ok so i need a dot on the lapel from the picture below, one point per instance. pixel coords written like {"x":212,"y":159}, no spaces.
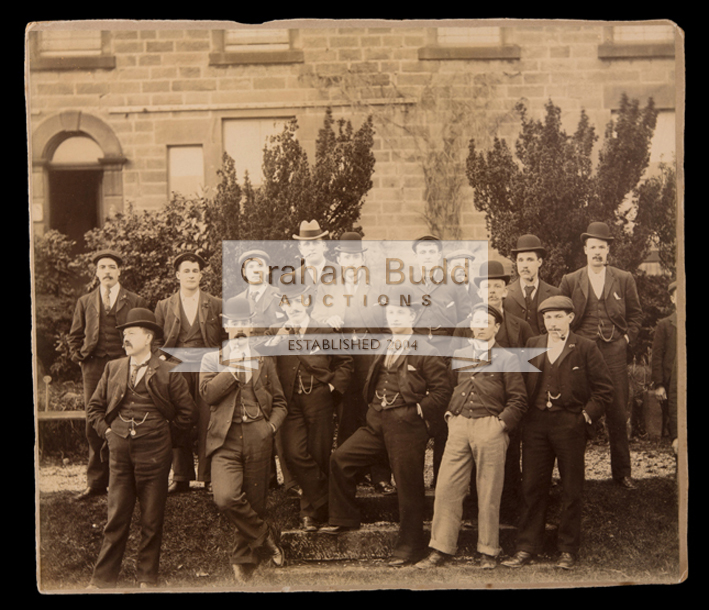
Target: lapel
{"x":515,"y":291}
{"x":570,"y":345}
{"x":121,"y":299}
{"x":610,"y":283}
{"x":174,"y":304}
{"x":95,"y":299}
{"x":202,"y":311}
{"x":673,"y":319}
{"x":153,"y":365}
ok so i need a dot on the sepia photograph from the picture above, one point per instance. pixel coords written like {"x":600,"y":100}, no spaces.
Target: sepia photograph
{"x":357,"y":305}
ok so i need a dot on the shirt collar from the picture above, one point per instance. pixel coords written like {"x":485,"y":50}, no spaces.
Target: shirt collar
{"x":190,"y":299}
{"x":145,"y":360}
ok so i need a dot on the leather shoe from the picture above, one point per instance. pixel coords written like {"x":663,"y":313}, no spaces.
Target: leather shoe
{"x":519,"y":559}
{"x":274,"y":550}
{"x":90,"y":492}
{"x":336,"y":529}
{"x":626,"y":482}
{"x":178,"y":487}
{"x":398,"y":562}
{"x":488,"y":562}
{"x":566,"y":561}
{"x":433,"y":560}
{"x":241,"y":573}
{"x":309,"y":524}
{"x":384,"y":488}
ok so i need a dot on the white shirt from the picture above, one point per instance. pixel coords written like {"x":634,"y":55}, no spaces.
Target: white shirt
{"x":238,"y":353}
{"x":190,"y":305}
{"x":141,"y":370}
{"x":396,"y":347}
{"x":257,"y":292}
{"x":535,"y":286}
{"x":597,"y":281}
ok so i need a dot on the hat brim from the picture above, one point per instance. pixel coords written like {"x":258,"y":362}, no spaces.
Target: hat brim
{"x":585,"y":236}
{"x":477,"y":280}
{"x":311,"y":238}
{"x":542,"y":251}
{"x":151,"y":326}
{"x":101,"y":255}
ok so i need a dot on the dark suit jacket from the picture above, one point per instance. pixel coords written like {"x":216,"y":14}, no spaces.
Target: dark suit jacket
{"x":169,"y":392}
{"x":584,"y":379}
{"x":448,"y":305}
{"x":619,"y":292}
{"x":664,"y":352}
{"x":218,"y":388}
{"x":501,"y":392}
{"x":325,"y":368}
{"x":167,"y":315}
{"x":267,"y":310}
{"x":423,"y":380}
{"x":514,"y":332}
{"x":515,"y":304}
{"x":83,"y":335}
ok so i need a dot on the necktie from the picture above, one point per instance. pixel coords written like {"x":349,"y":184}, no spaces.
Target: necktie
{"x":134,"y":368}
{"x":253,"y":296}
{"x":106,"y":300}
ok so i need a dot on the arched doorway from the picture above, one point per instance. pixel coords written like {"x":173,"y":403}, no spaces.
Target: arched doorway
{"x":77,"y":167}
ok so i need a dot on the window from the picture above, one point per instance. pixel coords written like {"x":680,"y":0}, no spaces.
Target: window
{"x":185,"y":170}
{"x":487,"y":42}
{"x":637,"y":41}
{"x":244,"y":140}
{"x":70,"y":50}
{"x":255,"y":46}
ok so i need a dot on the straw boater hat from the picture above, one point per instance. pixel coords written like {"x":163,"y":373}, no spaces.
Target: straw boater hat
{"x":350,"y":242}
{"x":491,"y":270}
{"x":599,"y":230}
{"x":190,"y":256}
{"x":107,"y":254}
{"x":249,"y":254}
{"x":460,"y":254}
{"x":529,"y":243}
{"x":556,"y":303}
{"x":238,"y":308}
{"x":310,"y":230}
{"x":427,"y":238}
{"x":143,"y":318}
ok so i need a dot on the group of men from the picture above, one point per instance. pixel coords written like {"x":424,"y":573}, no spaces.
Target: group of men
{"x":495,"y":429}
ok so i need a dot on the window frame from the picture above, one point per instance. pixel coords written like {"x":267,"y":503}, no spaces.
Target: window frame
{"x":221,"y":57}
{"x":610,"y":49}
{"x":105,"y":60}
{"x":504,"y":50}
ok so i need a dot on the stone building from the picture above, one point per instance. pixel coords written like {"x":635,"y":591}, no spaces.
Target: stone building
{"x":129,"y":113}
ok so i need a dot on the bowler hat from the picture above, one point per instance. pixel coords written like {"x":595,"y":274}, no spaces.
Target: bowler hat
{"x":192,"y":257}
{"x":433,"y":238}
{"x":249,"y":254}
{"x":107,"y":254}
{"x":529,"y":243}
{"x":491,"y":270}
{"x":460,"y":254}
{"x":350,"y":242}
{"x":144,"y":318}
{"x":310,"y":230}
{"x":490,"y":309}
{"x":556,"y":303}
{"x":598,"y":230}
{"x":238,"y":308}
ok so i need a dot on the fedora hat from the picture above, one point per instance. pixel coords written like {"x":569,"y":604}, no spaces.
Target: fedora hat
{"x":309,"y":230}
{"x":598,"y":230}
{"x":350,"y":242}
{"x":249,"y":254}
{"x":192,"y":257}
{"x":238,"y":308}
{"x":492,"y":270}
{"x":427,"y":238}
{"x":529,"y":243}
{"x":556,"y":303}
{"x":144,"y":318}
{"x":107,"y":254}
{"x":460,"y":254}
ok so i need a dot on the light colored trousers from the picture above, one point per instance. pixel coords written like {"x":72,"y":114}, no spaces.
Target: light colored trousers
{"x":484,"y":442}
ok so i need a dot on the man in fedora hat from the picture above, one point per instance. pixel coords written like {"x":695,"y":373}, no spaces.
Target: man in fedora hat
{"x":313,"y":249}
{"x":191,"y":318}
{"x":571,"y":390}
{"x":136,"y":405}
{"x":93,"y":341}
{"x":608,"y":312}
{"x":248,"y":407}
{"x":664,"y":365}
{"x":313,"y":381}
{"x":528,"y":290}
{"x":406,"y":394}
{"x":484,"y":408}
{"x":352,"y":310}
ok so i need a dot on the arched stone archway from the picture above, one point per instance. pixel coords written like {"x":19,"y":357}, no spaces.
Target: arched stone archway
{"x":108,"y":169}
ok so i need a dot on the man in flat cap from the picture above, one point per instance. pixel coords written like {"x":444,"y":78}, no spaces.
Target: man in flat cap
{"x":460,"y":264}
{"x":571,"y":390}
{"x":248,"y":407}
{"x":137,"y":405}
{"x":93,"y":341}
{"x":526,"y":293}
{"x":664,"y":365}
{"x":608,"y":312}
{"x":191,"y":318}
{"x":407,"y":394}
{"x":488,"y":402}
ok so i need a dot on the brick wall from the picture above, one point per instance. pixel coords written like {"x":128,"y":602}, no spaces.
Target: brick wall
{"x":168,"y":88}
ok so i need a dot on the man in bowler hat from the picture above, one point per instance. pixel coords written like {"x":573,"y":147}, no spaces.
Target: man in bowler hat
{"x":136,"y":404}
{"x":191,"y":318}
{"x":248,"y":407}
{"x":608,"y":311}
{"x":94,"y":340}
{"x":571,"y":390}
